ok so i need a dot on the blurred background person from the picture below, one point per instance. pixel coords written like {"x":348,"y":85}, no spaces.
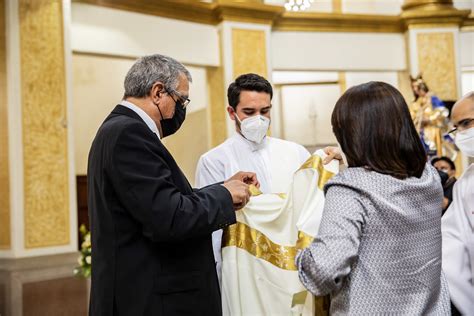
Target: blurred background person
{"x":448,"y":168}
{"x":378,"y":249}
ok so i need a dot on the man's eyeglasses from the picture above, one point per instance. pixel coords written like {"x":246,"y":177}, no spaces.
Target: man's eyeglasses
{"x":184,"y":101}
{"x":462,"y":126}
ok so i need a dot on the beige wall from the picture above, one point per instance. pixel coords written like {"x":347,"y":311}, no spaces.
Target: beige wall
{"x":98,"y":87}
{"x":189,"y":143}
{"x":306,"y":113}
{"x":107,"y":31}
{"x":304,"y":101}
{"x":337,"y":51}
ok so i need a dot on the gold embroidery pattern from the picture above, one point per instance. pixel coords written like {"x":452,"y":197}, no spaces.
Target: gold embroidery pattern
{"x":254,"y":191}
{"x":304,"y":240}
{"x":257,"y":244}
{"x":316,"y":162}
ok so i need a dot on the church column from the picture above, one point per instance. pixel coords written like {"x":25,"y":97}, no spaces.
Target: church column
{"x":433,"y":45}
{"x":38,"y":248}
{"x":244,"y":34}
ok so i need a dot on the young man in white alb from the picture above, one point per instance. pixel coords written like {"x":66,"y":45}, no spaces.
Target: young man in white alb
{"x":273,"y":160}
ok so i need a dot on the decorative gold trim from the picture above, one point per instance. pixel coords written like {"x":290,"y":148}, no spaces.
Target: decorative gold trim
{"x":321,"y":303}
{"x":260,"y":246}
{"x":315,"y":162}
{"x":44,"y":114}
{"x":257,"y":12}
{"x":468,"y":24}
{"x":254,"y":191}
{"x":426,"y":4}
{"x":249,"y":52}
{"x":299,"y":298}
{"x":438,"y":12}
{"x":336,"y":22}
{"x":251,"y":12}
{"x":467,"y":28}
{"x":5,"y":238}
{"x":431,"y":25}
{"x":304,"y":240}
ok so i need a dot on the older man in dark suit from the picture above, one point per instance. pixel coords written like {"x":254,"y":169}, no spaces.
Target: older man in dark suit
{"x":151,"y":232}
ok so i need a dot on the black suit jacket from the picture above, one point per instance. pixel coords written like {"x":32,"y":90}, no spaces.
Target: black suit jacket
{"x":151,"y":232}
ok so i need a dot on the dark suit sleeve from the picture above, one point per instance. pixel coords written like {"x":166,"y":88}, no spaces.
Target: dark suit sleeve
{"x":143,"y":182}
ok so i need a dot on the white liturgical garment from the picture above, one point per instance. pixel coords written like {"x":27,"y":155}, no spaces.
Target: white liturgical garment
{"x":273,"y":161}
{"x":259,"y":274}
{"x":457,"y":227}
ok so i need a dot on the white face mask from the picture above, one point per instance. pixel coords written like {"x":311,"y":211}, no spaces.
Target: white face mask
{"x":465,"y":141}
{"x":254,"y":128}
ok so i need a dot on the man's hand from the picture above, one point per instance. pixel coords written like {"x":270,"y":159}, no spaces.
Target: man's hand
{"x":332,"y":153}
{"x":246,"y":177}
{"x":239,"y":191}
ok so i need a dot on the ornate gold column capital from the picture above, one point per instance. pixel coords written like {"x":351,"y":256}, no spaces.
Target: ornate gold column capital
{"x":432,"y":12}
{"x":252,"y":11}
{"x":426,"y":4}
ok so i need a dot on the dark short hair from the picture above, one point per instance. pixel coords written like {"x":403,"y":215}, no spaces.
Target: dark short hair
{"x":445,"y":159}
{"x":373,"y":125}
{"x":247,"y":82}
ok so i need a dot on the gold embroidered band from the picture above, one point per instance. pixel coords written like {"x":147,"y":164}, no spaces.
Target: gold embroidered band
{"x":257,"y":244}
{"x":315,"y":162}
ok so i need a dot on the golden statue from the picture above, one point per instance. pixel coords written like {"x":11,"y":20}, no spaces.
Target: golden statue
{"x":431,"y":119}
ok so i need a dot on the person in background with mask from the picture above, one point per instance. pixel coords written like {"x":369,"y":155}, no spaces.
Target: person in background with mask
{"x":151,"y":232}
{"x":273,"y":160}
{"x":447,"y":170}
{"x":457,"y":224}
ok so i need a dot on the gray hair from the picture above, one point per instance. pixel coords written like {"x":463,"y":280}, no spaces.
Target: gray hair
{"x":148,"y":70}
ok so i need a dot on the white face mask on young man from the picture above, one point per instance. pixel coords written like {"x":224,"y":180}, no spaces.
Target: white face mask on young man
{"x":465,"y":141}
{"x":254,"y":128}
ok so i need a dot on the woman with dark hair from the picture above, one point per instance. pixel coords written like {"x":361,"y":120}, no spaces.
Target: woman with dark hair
{"x":378,"y":249}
